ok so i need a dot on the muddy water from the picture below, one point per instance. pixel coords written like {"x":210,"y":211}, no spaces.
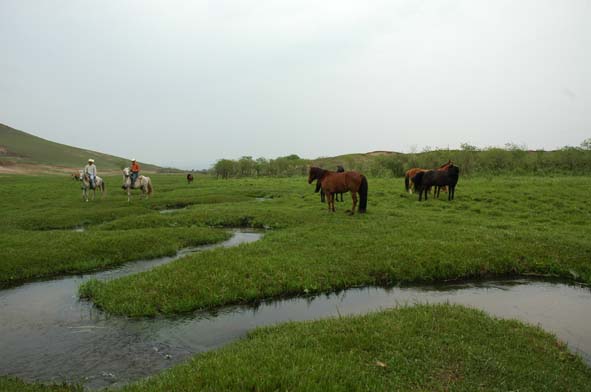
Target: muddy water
{"x":47,"y":334}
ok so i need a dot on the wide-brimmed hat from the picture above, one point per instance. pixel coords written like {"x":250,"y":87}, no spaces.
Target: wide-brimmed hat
{"x":90,"y":160}
{"x":133,"y":160}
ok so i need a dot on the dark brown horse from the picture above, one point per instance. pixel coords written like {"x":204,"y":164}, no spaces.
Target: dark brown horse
{"x":332,"y":182}
{"x":340,"y":169}
{"x":411,"y":173}
{"x":437,"y":178}
{"x":189,"y":178}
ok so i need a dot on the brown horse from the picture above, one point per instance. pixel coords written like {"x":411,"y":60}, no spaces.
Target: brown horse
{"x":411,"y":173}
{"x":340,"y":169}
{"x":189,"y":178}
{"x":438,"y":178}
{"x":332,"y":182}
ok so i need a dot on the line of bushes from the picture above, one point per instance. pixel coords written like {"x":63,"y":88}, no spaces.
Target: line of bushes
{"x":511,"y":159}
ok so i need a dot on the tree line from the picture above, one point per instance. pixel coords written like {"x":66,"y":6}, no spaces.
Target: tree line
{"x":510,"y":159}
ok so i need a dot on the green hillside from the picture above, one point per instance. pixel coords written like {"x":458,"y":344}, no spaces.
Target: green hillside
{"x":19,"y":149}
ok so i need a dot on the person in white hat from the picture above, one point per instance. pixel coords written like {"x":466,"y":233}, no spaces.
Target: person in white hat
{"x":135,"y":171}
{"x":90,"y":171}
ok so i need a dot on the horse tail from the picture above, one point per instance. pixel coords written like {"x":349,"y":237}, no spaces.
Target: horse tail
{"x":150,"y":189}
{"x":103,"y":186}
{"x":363,"y":195}
{"x":407,"y":182}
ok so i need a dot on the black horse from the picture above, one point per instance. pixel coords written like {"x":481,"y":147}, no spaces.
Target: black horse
{"x":340,"y":169}
{"x":425,"y":180}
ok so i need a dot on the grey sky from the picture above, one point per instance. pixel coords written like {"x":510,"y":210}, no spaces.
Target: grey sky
{"x":184,"y":83}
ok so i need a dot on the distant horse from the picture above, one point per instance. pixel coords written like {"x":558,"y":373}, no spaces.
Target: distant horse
{"x":340,"y":169}
{"x":85,"y":185}
{"x":411,"y":173}
{"x":142,"y":182}
{"x":438,"y":178}
{"x":332,"y":182}
{"x":189,"y":178}
{"x":75,"y":176}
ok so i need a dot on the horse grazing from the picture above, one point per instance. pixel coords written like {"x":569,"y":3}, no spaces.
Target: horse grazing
{"x":411,"y":173}
{"x":142,"y":182}
{"x":332,"y":182}
{"x":86,"y":188}
{"x":438,"y":178}
{"x":340,"y":169}
{"x":189,"y":178}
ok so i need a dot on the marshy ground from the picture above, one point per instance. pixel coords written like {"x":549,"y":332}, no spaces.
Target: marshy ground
{"x":497,"y":226}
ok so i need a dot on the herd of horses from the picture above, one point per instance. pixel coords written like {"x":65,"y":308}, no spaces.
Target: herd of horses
{"x":330,"y":184}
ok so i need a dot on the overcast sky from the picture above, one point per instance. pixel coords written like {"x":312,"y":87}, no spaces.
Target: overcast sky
{"x":184,"y":83}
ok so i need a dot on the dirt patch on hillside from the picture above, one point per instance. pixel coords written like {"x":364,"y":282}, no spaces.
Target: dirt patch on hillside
{"x":377,"y":153}
{"x":27,"y":168}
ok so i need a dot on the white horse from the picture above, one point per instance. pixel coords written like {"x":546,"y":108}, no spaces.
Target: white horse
{"x":85,"y":185}
{"x":142,"y":182}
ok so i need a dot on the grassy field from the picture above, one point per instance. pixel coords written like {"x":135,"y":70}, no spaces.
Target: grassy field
{"x":496,"y":226}
{"x":421,"y":348}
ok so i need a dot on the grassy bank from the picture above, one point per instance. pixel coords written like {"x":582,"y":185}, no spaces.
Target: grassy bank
{"x":39,"y":215}
{"x":423,"y":348}
{"x":10,"y":384}
{"x":420,"y":348}
{"x":496,"y":226}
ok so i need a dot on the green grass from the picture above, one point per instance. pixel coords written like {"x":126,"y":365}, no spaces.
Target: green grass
{"x":10,"y":384}
{"x":40,"y":213}
{"x":422,"y":348}
{"x":419,"y":348}
{"x":498,"y":226}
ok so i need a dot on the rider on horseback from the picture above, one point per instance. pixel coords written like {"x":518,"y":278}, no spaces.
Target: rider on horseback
{"x":135,"y":172}
{"x":90,"y":171}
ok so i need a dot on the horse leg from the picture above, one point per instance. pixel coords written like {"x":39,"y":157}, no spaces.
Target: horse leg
{"x":354,"y":197}
{"x":330,"y":199}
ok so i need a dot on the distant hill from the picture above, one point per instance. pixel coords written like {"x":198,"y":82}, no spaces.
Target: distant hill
{"x":21,"y":152}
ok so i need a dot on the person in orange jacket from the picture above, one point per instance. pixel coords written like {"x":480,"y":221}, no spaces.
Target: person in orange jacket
{"x":135,"y":172}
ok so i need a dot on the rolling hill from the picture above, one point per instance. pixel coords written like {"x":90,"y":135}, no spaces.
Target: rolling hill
{"x":21,"y":152}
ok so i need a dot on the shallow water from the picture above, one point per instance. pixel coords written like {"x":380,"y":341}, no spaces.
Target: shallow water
{"x":172,"y":210}
{"x":47,"y":334}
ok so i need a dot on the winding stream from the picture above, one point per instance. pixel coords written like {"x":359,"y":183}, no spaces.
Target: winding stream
{"x":47,"y":334}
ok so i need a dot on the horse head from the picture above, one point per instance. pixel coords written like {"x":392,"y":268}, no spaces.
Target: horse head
{"x":315,"y":173}
{"x":126,"y":177}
